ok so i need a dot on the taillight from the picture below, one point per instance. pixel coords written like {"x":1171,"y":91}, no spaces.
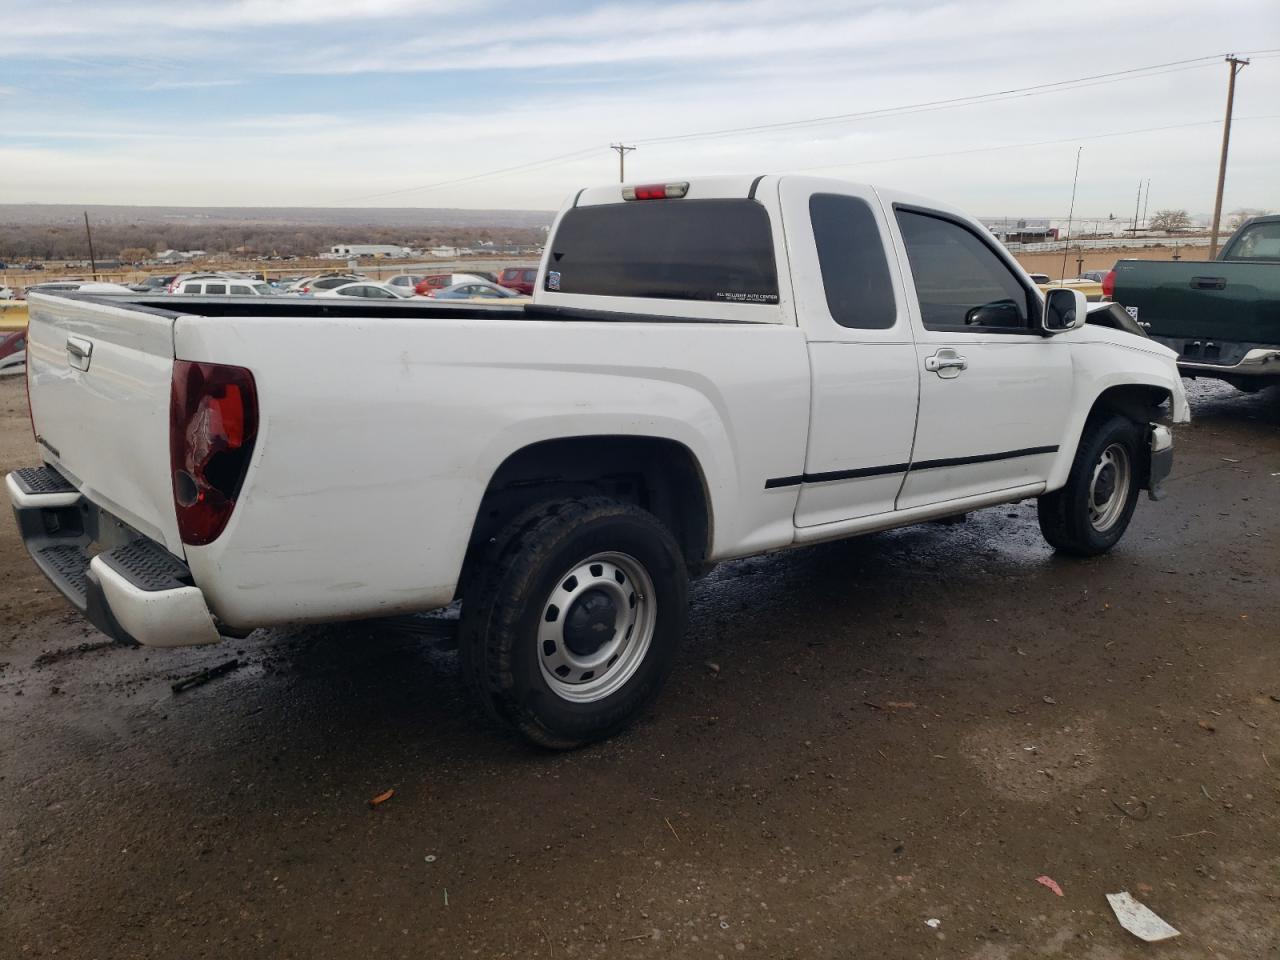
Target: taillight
{"x":655,"y":191}
{"x":213,"y":422}
{"x":1109,"y":284}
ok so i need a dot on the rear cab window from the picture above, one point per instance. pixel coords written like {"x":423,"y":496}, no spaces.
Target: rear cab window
{"x":1261,"y":241}
{"x":710,"y":250}
{"x":851,"y":257}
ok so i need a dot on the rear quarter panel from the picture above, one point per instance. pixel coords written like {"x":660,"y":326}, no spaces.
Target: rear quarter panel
{"x":377,"y":440}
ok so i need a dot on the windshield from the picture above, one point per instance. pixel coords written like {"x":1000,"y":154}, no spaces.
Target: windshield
{"x":1258,"y":242}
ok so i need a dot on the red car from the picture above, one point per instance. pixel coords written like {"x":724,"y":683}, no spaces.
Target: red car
{"x":436,"y":281}
{"x":13,"y":351}
{"x":519,"y":279}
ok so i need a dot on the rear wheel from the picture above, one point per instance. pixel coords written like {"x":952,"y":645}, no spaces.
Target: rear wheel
{"x":1090,"y":514}
{"x":574,"y":624}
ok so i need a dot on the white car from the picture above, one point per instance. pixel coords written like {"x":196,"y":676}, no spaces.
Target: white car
{"x":709,"y":369}
{"x":473,"y":290}
{"x":368,"y":290}
{"x":222,"y":286}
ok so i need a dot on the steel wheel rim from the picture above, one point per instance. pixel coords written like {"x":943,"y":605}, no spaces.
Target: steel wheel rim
{"x":1109,"y":487}
{"x":607,"y":598}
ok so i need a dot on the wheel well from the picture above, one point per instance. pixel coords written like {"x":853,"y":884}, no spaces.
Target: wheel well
{"x":660,"y":475}
{"x":1139,"y":402}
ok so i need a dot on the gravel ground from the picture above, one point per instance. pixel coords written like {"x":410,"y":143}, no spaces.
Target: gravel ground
{"x":859,"y":738}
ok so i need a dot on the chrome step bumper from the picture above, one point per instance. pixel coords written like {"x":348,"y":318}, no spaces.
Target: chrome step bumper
{"x":133,"y":590}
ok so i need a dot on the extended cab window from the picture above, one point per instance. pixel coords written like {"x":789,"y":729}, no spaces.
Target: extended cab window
{"x":962,"y":285}
{"x":719,"y":250}
{"x":855,"y":273}
{"x":215,"y":288}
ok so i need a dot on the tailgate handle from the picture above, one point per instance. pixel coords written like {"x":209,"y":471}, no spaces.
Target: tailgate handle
{"x":1208,"y":283}
{"x":79,"y":352}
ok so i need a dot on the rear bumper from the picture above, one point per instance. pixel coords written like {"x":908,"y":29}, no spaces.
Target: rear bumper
{"x":1210,"y":358}
{"x":133,"y":589}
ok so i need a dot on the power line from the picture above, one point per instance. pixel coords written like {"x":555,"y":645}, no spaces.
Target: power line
{"x":562,"y":158}
{"x":1029,"y":143}
{"x":1039,"y":89}
{"x":1132,"y":73}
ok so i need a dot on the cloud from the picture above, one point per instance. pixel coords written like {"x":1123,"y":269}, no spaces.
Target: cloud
{"x":190,"y":84}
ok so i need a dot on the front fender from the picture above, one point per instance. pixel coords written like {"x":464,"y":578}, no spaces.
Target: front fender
{"x":1107,"y":362}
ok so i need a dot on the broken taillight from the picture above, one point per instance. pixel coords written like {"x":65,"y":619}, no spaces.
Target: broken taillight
{"x":213,"y":422}
{"x":1109,"y":284}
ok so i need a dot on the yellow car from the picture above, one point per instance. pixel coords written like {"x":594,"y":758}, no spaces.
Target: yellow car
{"x":1091,"y":289}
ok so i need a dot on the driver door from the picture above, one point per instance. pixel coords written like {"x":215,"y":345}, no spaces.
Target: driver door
{"x":994,"y":393}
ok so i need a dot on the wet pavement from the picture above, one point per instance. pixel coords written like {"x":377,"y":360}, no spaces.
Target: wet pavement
{"x":859,"y":738}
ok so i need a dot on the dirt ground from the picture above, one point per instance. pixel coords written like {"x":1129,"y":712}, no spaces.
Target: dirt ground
{"x":909,"y":727}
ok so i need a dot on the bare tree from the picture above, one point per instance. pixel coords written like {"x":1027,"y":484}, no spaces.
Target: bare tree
{"x":134,"y":255}
{"x":1170,"y":220}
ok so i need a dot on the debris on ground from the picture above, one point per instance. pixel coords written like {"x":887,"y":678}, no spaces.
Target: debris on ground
{"x":204,"y":676}
{"x":382,"y":798}
{"x":1139,"y":919}
{"x":1051,"y":883}
{"x":933,"y":922}
{"x":713,"y":667}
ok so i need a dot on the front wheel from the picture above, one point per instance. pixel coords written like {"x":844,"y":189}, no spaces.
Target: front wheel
{"x":1090,"y":514}
{"x":574,"y":625}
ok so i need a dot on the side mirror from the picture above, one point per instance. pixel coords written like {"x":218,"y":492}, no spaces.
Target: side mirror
{"x":1063,"y":310}
{"x":998,"y":313}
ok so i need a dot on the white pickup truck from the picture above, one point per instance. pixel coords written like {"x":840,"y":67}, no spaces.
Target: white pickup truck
{"x":708,"y":370}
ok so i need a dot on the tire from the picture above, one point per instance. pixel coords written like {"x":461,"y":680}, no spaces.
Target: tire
{"x":573,"y":625}
{"x":1089,"y":515}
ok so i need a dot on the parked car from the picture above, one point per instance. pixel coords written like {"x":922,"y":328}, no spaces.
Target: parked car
{"x":368,"y":290}
{"x":75,"y":286}
{"x":691,"y":383}
{"x":1221,"y":316}
{"x":223,"y":286}
{"x":407,"y":281}
{"x":6,"y":292}
{"x":438,"y":281}
{"x":324,"y":281}
{"x":519,"y":279}
{"x":154,"y":284}
{"x":1097,"y":276}
{"x":13,"y":351}
{"x":473,"y":290}
{"x":1039,"y":278}
{"x":1091,"y":289}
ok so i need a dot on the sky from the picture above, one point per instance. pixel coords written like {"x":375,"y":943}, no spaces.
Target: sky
{"x":502,"y":104}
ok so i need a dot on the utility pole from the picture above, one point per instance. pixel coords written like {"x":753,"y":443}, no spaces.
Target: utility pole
{"x":622,"y":162}
{"x":93,"y":262}
{"x":1146,"y":203}
{"x":1235,"y":64}
{"x":1136,"y":204}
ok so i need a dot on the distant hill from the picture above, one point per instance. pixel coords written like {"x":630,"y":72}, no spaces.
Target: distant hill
{"x":61,"y":214}
{"x":32,"y":231}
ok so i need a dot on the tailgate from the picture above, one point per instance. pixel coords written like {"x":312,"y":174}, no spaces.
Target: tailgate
{"x":1234,"y":302}
{"x":100,"y":377}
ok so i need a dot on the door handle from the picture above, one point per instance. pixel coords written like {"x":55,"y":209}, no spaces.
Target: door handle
{"x":79,"y":352}
{"x":946,"y":363}
{"x":1208,"y":283}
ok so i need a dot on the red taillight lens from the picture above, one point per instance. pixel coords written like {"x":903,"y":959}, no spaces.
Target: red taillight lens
{"x":655,"y":191}
{"x":1109,"y":284}
{"x":213,"y":423}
